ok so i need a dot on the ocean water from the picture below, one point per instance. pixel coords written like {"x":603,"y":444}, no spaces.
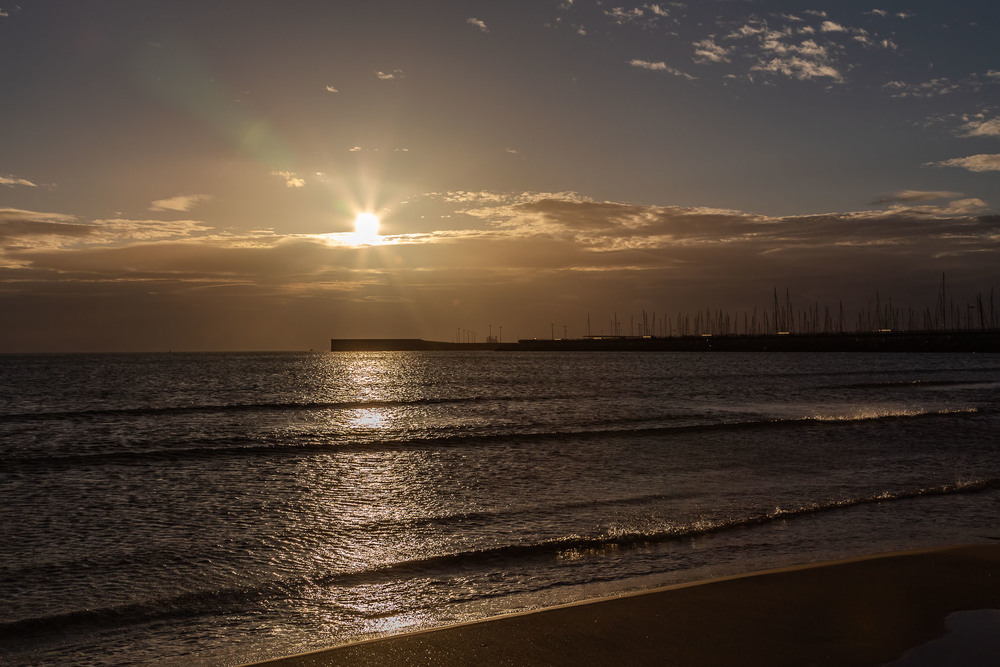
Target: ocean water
{"x":222,"y":508}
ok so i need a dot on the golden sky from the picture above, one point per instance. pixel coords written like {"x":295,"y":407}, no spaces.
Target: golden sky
{"x":187,"y":175}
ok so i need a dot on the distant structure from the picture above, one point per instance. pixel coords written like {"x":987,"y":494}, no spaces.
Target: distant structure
{"x":972,"y":326}
{"x":875,"y":341}
{"x":401,"y":344}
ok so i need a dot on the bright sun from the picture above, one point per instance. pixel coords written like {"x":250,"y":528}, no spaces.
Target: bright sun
{"x":366,"y":227}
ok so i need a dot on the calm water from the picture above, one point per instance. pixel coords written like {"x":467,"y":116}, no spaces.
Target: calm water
{"x":222,"y":508}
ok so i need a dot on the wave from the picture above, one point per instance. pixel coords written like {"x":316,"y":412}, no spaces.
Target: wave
{"x":922,"y":383}
{"x":572,"y":546}
{"x":291,"y":445}
{"x":231,"y":407}
{"x":866,"y":414}
{"x":237,"y":599}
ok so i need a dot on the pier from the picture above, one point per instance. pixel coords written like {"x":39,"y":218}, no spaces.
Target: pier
{"x":877,"y":341}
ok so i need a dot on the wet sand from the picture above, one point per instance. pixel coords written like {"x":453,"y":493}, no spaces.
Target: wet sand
{"x":866,"y":611}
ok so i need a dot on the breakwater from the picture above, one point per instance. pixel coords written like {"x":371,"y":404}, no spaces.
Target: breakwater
{"x":878,"y":341}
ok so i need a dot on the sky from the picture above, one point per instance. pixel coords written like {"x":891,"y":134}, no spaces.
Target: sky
{"x":186,"y":176}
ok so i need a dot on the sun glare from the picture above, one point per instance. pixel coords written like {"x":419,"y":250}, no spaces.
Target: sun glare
{"x":366,"y":227}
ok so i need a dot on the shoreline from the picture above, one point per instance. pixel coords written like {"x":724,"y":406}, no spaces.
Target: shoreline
{"x":866,"y":610}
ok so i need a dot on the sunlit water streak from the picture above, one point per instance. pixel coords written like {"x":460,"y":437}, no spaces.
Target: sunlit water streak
{"x":220,"y":508}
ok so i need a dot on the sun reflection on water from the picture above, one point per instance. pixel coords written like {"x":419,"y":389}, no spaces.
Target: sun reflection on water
{"x":345,"y":522}
{"x":369,"y":418}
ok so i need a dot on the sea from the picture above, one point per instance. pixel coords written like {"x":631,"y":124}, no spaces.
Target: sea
{"x":218,"y":509}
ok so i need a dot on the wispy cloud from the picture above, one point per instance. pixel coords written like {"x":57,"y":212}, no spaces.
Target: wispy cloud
{"x":707,"y":51}
{"x":621,"y":15}
{"x":660,"y":66}
{"x":799,"y":67}
{"x":291,"y":180}
{"x":981,"y":162}
{"x":930,"y":88}
{"x":11,"y":181}
{"x":118,"y":230}
{"x":909,"y":196}
{"x":178,"y":203}
{"x":938,"y":86}
{"x":478,"y":23}
{"x":389,"y":76}
{"x":331,"y":89}
{"x":646,"y":16}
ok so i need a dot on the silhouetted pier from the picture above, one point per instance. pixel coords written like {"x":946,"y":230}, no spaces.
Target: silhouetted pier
{"x":876,"y":341}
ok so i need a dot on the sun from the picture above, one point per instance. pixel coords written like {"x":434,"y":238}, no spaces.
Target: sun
{"x":366,"y":227}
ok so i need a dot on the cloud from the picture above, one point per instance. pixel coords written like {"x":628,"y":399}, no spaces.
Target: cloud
{"x":178,"y":203}
{"x":907,"y":196}
{"x":389,"y":76}
{"x":524,"y":257}
{"x":931,"y":88}
{"x":620,"y":15}
{"x":119,"y":230}
{"x":331,"y":89}
{"x":11,"y":181}
{"x":646,"y":16}
{"x":797,"y":67}
{"x":23,"y":233}
{"x":973,"y":83}
{"x":878,"y":12}
{"x":21,"y":223}
{"x":355,"y":149}
{"x":795,"y":49}
{"x":981,"y":127}
{"x":707,"y":51}
{"x":478,"y":23}
{"x":291,"y":180}
{"x":982,"y":162}
{"x":660,"y":67}
{"x":17,"y":225}
{"x":610,"y":226}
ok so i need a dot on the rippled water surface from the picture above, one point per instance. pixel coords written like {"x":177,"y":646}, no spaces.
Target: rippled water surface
{"x":221,"y":508}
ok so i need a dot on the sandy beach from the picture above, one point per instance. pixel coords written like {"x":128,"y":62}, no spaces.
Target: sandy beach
{"x":865,"y":611}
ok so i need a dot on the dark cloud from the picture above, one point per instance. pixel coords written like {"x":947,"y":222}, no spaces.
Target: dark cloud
{"x":19,"y":224}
